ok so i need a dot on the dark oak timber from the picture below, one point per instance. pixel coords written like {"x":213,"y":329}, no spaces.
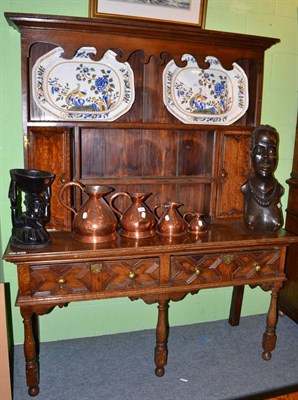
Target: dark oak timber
{"x":229,"y":255}
{"x":145,"y":150}
{"x":288,"y":296}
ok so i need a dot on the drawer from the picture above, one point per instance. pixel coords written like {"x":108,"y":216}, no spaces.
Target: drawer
{"x":78,"y":278}
{"x":129,"y":274}
{"x":256,"y":264}
{"x":224,"y":267}
{"x":60,"y":279}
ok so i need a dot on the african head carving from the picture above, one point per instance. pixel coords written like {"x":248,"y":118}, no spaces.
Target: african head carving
{"x":262,"y":191}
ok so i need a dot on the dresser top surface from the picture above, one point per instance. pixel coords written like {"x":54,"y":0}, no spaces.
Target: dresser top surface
{"x":233,"y":236}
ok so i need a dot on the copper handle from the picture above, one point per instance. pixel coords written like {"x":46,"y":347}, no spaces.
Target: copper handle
{"x":113,"y":198}
{"x":186,"y":215}
{"x":61,"y":191}
{"x":61,"y":281}
{"x":197,"y":271}
{"x":257,"y":268}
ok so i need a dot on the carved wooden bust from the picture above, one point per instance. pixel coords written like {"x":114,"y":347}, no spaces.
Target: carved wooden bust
{"x":262,"y":191}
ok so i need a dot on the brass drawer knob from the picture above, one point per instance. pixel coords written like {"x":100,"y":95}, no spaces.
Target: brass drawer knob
{"x":61,"y":281}
{"x":132,"y":275}
{"x":197,"y":271}
{"x":257,"y":268}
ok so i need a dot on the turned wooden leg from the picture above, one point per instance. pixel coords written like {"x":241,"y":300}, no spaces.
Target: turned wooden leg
{"x":269,"y":337}
{"x":30,"y":350}
{"x":236,"y":305}
{"x":35,"y":330}
{"x":162,"y":329}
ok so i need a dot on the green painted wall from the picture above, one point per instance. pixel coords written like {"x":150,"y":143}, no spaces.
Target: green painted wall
{"x":274,"y":18}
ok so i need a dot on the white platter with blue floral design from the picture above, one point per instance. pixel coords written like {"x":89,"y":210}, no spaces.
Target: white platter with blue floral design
{"x":205,"y":96}
{"x":83,"y":89}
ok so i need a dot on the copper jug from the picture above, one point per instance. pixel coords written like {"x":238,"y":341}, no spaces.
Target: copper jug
{"x":137,"y":221}
{"x":170,"y":223}
{"x":196,"y":224}
{"x":94,"y":222}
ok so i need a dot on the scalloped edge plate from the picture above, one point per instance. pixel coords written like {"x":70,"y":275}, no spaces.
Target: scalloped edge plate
{"x":213,"y":96}
{"x":83,"y":89}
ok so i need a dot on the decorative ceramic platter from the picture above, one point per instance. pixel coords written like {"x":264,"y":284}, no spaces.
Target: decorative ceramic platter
{"x":212,"y":96}
{"x":83,"y":89}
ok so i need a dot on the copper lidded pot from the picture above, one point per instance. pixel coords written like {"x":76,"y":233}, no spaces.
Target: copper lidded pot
{"x":137,"y":221}
{"x":94,"y":222}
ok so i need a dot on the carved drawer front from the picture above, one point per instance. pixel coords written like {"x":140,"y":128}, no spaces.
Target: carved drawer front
{"x":212,"y":268}
{"x":256,"y":264}
{"x":194,"y":269}
{"x":129,"y":274}
{"x":61,"y":279}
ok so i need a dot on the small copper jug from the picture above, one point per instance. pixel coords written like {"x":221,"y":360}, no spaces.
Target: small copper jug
{"x":137,"y":221}
{"x":170,"y":223}
{"x":196,"y":224}
{"x":94,"y":222}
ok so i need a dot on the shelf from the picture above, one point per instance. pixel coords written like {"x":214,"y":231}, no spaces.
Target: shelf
{"x":139,"y":126}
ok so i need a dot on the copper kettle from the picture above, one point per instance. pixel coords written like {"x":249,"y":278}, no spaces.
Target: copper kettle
{"x":170,"y":222}
{"x":137,"y":221}
{"x":94,"y":222}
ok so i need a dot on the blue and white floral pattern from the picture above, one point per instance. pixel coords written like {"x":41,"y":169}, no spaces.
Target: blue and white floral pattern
{"x":211,"y":96}
{"x":83,"y":89}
